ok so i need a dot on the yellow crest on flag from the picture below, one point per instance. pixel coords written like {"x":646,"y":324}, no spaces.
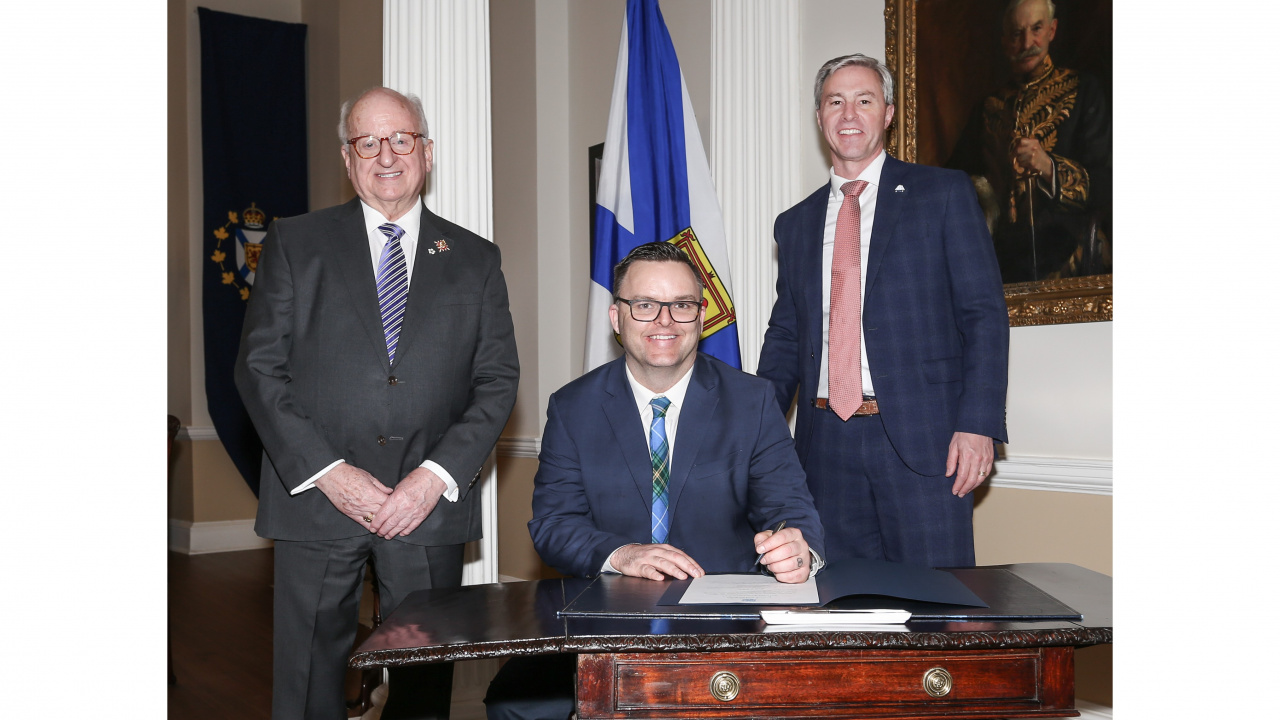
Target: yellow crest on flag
{"x":239,"y":247}
{"x":720,"y":312}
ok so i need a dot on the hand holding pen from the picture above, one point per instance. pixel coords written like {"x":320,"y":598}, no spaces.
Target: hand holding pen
{"x":784,"y":553}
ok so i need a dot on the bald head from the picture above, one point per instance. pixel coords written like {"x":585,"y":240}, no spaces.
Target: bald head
{"x":410,"y":102}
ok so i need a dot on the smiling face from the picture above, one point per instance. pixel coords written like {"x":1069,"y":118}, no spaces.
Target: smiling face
{"x":853,"y":117}
{"x":1028,"y":30}
{"x":389,"y":183}
{"x":660,"y":352}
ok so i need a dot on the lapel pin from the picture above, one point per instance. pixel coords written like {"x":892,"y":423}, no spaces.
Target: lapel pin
{"x":442,"y":245}
{"x":431,"y":251}
{"x":899,"y":189}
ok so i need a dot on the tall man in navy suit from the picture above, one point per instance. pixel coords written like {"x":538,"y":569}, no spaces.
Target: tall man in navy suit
{"x":890,"y":319}
{"x":378,"y":363}
{"x":712,"y":432}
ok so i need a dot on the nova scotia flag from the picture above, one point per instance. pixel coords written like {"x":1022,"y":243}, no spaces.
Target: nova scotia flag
{"x":655,"y":185}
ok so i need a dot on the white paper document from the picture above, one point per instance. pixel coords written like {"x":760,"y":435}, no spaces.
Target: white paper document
{"x":835,"y":617}
{"x":748,"y":590}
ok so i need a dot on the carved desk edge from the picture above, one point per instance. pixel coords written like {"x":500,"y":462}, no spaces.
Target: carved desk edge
{"x":836,"y":640}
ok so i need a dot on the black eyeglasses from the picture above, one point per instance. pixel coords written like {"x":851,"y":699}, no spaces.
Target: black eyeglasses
{"x":401,"y":143}
{"x":682,"y":311}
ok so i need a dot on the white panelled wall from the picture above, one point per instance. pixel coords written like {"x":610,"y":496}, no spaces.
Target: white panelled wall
{"x":439,"y":51}
{"x":754,"y":63}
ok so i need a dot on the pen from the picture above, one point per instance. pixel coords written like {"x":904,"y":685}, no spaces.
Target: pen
{"x":776,"y":530}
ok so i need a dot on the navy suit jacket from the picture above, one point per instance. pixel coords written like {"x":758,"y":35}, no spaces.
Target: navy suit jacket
{"x":734,"y":472}
{"x":933,"y":314}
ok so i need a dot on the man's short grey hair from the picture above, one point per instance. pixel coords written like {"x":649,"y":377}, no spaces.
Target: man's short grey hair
{"x":1013,"y":5}
{"x":844,"y":61}
{"x":409,"y":100}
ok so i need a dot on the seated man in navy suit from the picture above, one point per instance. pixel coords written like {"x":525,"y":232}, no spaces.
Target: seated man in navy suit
{"x":662,"y":463}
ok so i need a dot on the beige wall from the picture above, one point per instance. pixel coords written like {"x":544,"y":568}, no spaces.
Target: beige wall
{"x":1060,"y":377}
{"x":554,"y":63}
{"x":553,"y":66}
{"x":516,"y":211}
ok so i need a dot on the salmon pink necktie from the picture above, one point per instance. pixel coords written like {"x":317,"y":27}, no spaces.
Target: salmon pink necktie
{"x":844,"y":350}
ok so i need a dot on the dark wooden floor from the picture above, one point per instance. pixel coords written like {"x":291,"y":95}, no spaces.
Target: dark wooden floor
{"x":220,"y":629}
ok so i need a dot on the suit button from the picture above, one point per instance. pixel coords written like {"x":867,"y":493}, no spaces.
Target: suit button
{"x":392,"y":380}
{"x":382,"y":440}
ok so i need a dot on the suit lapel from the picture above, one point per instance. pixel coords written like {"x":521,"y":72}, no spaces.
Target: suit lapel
{"x":695,"y":417}
{"x":351,"y":250}
{"x":812,"y":222}
{"x":889,"y":204}
{"x":425,"y":278}
{"x":632,"y":437}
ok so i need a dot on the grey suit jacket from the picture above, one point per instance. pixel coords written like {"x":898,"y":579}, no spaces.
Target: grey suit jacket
{"x":314,"y":375}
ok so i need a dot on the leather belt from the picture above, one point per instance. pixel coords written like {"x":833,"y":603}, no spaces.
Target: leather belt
{"x":869,"y":406}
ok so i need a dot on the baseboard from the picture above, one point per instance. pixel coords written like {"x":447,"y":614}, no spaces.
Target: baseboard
{"x":521,"y":447}
{"x":1073,"y":475}
{"x":1092,"y":711}
{"x":212,"y":537}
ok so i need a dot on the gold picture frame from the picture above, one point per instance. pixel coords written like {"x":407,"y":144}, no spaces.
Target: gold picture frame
{"x":1044,"y":302}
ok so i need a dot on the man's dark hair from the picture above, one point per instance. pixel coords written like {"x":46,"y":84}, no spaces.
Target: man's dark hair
{"x":653,"y":252}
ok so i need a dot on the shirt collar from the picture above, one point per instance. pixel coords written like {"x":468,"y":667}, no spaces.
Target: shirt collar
{"x":643,"y":394}
{"x":870,"y":173}
{"x":410,"y":222}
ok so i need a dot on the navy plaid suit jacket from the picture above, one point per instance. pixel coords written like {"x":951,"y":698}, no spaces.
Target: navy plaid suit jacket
{"x":934,"y":317}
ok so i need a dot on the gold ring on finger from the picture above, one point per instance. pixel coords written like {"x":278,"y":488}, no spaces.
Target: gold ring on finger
{"x":368,"y":518}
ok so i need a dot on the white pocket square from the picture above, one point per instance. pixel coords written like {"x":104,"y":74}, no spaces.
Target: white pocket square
{"x":899,"y":189}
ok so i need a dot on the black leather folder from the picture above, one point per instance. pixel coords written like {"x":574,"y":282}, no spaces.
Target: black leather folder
{"x":960,"y":594}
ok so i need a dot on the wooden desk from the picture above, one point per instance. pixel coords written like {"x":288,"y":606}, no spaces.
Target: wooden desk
{"x":646,"y":668}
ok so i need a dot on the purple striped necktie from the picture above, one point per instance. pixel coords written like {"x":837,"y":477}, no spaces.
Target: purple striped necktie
{"x":393,"y":286}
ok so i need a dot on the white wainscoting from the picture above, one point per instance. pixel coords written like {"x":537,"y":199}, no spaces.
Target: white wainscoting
{"x":210,"y":537}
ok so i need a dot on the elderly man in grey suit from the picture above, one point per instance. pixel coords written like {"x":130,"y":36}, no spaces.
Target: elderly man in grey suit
{"x":378,"y":363}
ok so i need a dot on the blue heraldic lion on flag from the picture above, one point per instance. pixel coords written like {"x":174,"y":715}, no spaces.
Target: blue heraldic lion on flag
{"x":655,"y":185}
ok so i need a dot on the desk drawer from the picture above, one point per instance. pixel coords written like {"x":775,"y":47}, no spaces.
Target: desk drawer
{"x":838,"y":683}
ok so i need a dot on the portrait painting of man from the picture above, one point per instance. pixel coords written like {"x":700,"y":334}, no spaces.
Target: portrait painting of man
{"x":1017,"y":93}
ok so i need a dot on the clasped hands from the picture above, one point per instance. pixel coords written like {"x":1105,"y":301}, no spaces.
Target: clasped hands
{"x":786,"y":555}
{"x":1029,"y":158}
{"x":386,"y":512}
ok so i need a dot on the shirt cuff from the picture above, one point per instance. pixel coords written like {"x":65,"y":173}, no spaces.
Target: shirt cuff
{"x":311,"y":481}
{"x":608,"y":566}
{"x":816,"y":564}
{"x":450,"y":485}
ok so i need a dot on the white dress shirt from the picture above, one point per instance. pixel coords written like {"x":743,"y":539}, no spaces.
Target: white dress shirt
{"x":411,"y":223}
{"x":867,"y":205}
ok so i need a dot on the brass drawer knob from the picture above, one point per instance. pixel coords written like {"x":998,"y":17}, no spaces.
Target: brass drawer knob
{"x":937,"y":682}
{"x":725,"y":686}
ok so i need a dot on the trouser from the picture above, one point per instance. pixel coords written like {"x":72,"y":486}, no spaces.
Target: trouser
{"x":533,"y":688}
{"x":317,"y":600}
{"x":873,"y":506}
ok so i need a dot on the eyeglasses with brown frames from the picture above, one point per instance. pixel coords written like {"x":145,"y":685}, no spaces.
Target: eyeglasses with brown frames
{"x":401,"y":143}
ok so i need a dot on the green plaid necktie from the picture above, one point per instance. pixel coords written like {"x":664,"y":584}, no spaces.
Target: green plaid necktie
{"x":658,"y":455}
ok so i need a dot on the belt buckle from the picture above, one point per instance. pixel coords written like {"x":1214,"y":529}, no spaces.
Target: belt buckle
{"x":867,"y":402}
